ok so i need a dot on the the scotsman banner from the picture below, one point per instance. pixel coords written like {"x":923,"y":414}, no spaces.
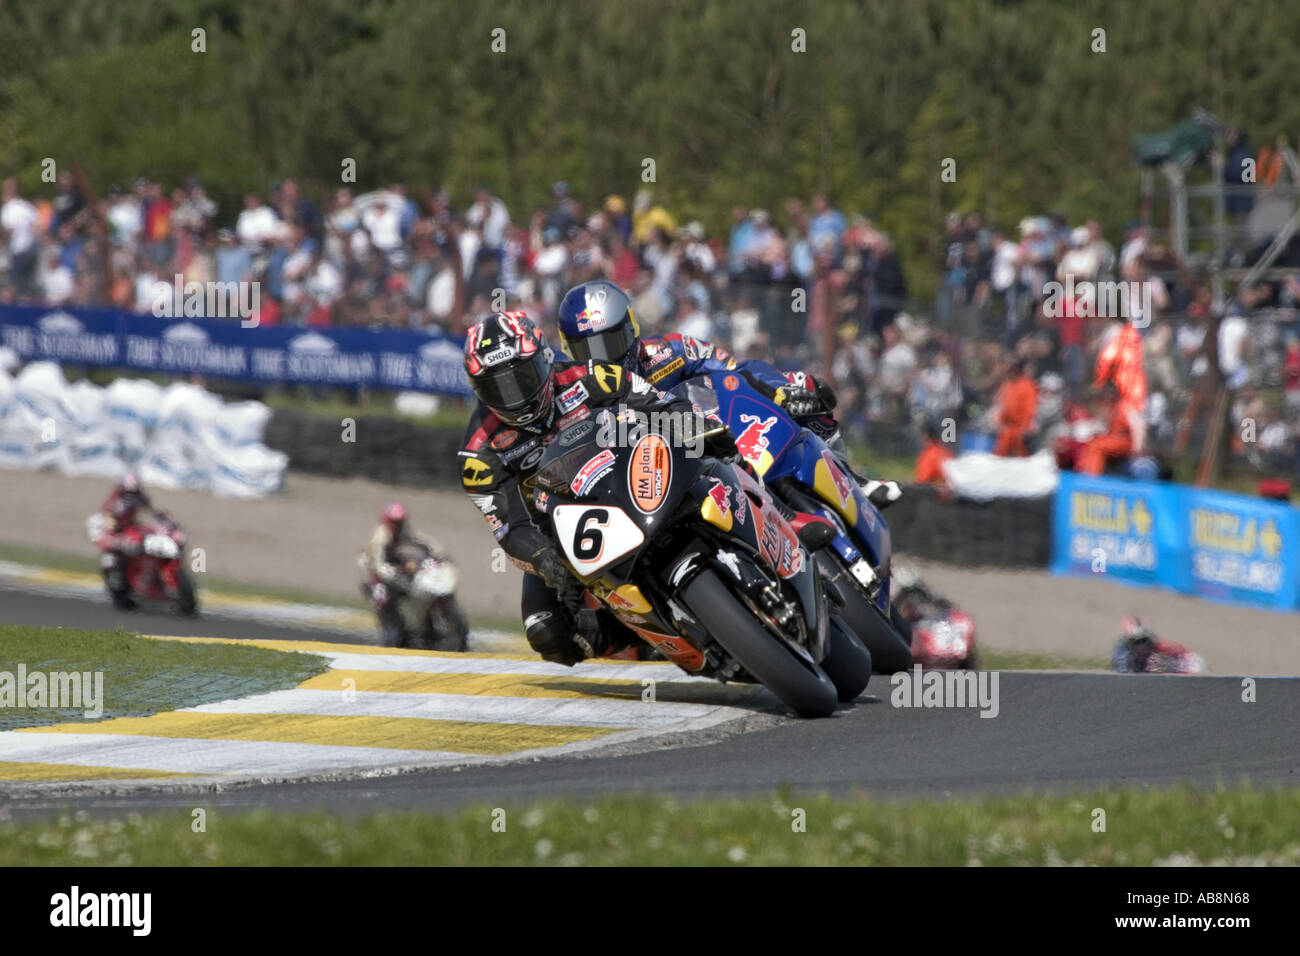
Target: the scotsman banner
{"x":1221,"y":546}
{"x":224,"y":348}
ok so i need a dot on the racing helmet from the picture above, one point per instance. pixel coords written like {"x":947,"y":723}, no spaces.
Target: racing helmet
{"x":1138,"y":635}
{"x":130,"y":492}
{"x":394,"y":518}
{"x":509,"y":365}
{"x":597,"y":324}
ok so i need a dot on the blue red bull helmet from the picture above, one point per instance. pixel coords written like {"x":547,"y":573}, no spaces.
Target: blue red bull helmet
{"x":509,"y":366}
{"x":597,"y":324}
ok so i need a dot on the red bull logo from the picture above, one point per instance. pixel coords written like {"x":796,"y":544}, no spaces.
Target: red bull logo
{"x":719,"y":495}
{"x":842,"y":485}
{"x":589,"y":319}
{"x":752,"y":442}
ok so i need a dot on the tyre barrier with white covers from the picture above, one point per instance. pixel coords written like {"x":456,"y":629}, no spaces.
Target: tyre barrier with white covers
{"x":173,"y":436}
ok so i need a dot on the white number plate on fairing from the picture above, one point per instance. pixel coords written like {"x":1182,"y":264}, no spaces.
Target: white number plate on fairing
{"x":593,"y":537}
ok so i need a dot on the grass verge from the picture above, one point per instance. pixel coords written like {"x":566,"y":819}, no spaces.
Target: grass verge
{"x":992,"y":659}
{"x":1180,"y":826}
{"x":143,"y":676}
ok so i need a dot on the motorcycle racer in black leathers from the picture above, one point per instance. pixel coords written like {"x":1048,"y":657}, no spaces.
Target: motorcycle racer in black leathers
{"x":526,"y":398}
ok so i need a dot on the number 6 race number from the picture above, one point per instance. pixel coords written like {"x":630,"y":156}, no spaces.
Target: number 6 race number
{"x":594,"y":538}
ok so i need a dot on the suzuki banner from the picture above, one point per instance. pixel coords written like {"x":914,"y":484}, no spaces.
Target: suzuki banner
{"x":1242,"y":549}
{"x":224,"y":348}
{"x":1217,"y":545}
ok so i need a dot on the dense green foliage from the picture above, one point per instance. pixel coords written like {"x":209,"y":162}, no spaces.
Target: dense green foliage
{"x":587,"y":89}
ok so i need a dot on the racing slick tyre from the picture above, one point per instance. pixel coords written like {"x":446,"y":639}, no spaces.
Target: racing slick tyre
{"x":889,"y":651}
{"x":799,"y":683}
{"x":847,"y":663}
{"x":448,"y":630}
{"x":187,"y":602}
{"x":901,"y":625}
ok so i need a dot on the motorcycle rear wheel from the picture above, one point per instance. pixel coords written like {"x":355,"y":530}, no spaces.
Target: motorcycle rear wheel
{"x":801,"y":685}
{"x":890,"y":652}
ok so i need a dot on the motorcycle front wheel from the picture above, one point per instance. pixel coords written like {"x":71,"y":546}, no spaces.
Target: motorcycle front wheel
{"x":186,"y":600}
{"x":448,"y":629}
{"x":800,"y":684}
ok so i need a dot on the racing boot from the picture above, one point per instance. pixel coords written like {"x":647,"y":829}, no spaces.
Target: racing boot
{"x":879,"y":492}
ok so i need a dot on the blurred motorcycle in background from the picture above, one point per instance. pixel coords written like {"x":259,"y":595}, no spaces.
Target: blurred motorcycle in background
{"x":942,"y":635}
{"x":424,"y":595}
{"x":1140,"y":651}
{"x":153,"y":559}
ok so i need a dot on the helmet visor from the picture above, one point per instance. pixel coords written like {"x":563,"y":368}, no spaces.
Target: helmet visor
{"x":513,"y":387}
{"x":609,"y":346}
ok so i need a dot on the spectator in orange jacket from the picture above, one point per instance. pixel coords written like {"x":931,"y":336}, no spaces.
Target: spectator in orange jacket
{"x":1016,"y":405}
{"x":929,"y":464}
{"x":1120,"y":365}
{"x":1118,"y":441}
{"x":1120,"y":362}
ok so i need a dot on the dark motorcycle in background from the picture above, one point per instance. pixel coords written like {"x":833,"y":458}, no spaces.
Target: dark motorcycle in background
{"x":694,"y":556}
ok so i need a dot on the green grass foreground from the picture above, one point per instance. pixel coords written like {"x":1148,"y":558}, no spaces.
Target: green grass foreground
{"x":144,"y":676}
{"x":1180,"y":826}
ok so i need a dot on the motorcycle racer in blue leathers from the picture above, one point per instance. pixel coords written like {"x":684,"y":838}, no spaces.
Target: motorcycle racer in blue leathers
{"x":597,"y":323}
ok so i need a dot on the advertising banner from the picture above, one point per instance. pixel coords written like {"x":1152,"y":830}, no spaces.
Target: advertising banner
{"x":224,"y":348}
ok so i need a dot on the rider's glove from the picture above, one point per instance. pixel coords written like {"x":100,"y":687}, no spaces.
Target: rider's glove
{"x":797,"y":402}
{"x":824,"y":393}
{"x":551,"y":568}
{"x":379,"y":594}
{"x":805,"y":396}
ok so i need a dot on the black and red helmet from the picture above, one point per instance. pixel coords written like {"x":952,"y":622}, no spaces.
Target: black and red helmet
{"x":509,"y":365}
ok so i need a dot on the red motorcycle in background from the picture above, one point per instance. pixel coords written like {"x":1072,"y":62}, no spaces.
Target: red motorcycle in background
{"x":155,"y":556}
{"x":943,"y":635}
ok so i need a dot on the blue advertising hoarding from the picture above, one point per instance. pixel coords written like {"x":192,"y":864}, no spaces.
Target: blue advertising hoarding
{"x":1217,"y":545}
{"x":1242,"y":549}
{"x":224,"y":348}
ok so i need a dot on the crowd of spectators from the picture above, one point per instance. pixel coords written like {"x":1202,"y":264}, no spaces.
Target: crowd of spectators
{"x":1008,"y":354}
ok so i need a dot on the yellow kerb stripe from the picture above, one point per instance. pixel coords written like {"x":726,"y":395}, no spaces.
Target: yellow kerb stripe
{"x":526,"y":685}
{"x":14,"y":770}
{"x":396,"y":733}
{"x":493,"y":685}
{"x":319,"y":646}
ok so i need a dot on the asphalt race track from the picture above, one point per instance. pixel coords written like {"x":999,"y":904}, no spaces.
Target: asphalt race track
{"x":45,"y":610}
{"x":1053,"y":732}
